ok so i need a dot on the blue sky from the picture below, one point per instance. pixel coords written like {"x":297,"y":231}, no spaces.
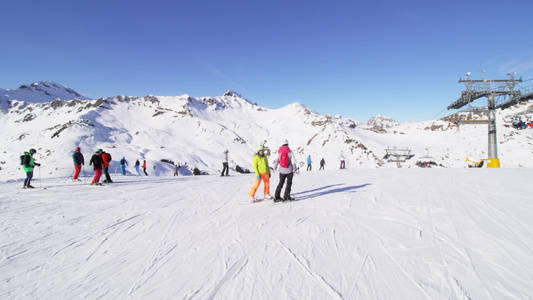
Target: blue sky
{"x":402,"y":59}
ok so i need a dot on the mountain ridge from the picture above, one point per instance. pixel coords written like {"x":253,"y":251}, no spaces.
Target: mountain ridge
{"x":195,"y":131}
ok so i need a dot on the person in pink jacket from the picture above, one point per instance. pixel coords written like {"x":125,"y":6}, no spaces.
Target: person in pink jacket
{"x":287,"y":167}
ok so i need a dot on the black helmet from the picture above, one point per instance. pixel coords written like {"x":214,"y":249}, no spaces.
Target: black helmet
{"x":33,"y":151}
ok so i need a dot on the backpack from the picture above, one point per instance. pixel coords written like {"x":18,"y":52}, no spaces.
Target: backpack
{"x":123,"y":161}
{"x":107,"y":157}
{"x":22,"y":158}
{"x":284,"y":160}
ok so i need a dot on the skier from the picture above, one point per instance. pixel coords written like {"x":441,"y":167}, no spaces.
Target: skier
{"x":343,"y":165}
{"x":176,"y":169}
{"x":106,"y":157}
{"x":309,"y":162}
{"x":322,"y":164}
{"x":225,"y":167}
{"x":79,"y":161}
{"x":262,"y":173}
{"x":287,"y":167}
{"x":137,"y":166}
{"x":28,"y":163}
{"x":123,"y":164}
{"x":144,"y":168}
{"x":97,"y":163}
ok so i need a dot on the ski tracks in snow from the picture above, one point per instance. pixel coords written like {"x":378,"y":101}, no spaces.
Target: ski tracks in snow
{"x":230,"y":273}
{"x":160,"y":252}
{"x":319,"y":278}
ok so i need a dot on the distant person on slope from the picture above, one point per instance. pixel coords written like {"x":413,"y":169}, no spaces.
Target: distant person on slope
{"x":343,"y":163}
{"x":28,"y":163}
{"x":144,"y":168}
{"x":262,"y":173}
{"x":287,"y":167}
{"x":225,"y":167}
{"x":137,"y":166}
{"x":123,"y":164}
{"x":79,"y":161}
{"x":176,"y":169}
{"x":97,"y":163}
{"x":106,"y":157}
{"x":309,"y":162}
{"x":322,"y":164}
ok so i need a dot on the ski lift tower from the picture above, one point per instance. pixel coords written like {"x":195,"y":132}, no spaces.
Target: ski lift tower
{"x":492,"y":89}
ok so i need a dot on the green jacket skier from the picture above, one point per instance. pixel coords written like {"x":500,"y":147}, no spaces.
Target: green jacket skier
{"x":262,"y":173}
{"x":28,"y":163}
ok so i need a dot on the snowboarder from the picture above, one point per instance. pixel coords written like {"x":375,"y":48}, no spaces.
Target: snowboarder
{"x":123,"y":164}
{"x":309,"y":162}
{"x":225,"y":167}
{"x":322,"y":164}
{"x":343,"y":164}
{"x":287,"y":167}
{"x":144,"y":168}
{"x":79,"y":161}
{"x":262,"y":173}
{"x":137,"y":166}
{"x":106,"y":157}
{"x":28,"y":163}
{"x":97,"y":163}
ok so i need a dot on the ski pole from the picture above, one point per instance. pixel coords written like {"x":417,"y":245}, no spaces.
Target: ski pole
{"x":40,"y":185}
{"x":69,"y":176}
{"x":87,"y":179}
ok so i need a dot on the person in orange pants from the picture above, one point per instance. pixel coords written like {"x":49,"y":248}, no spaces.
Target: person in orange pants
{"x":262,"y":173}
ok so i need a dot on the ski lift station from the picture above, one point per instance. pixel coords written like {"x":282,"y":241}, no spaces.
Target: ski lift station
{"x":500,"y":94}
{"x":398,"y":155}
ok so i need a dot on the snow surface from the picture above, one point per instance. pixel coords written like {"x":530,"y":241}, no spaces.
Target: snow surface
{"x":356,"y":234}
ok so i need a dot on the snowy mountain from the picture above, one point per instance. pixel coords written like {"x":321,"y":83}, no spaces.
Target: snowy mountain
{"x":44,"y":91}
{"x":379,"y":123}
{"x":194,"y":131}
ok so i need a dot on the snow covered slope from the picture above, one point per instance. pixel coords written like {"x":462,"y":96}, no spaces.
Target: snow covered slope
{"x":373,"y":234}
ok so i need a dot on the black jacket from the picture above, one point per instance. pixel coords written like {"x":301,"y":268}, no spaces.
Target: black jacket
{"x":96,"y":161}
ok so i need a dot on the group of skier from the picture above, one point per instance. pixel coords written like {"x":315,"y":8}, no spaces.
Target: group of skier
{"x":137,"y":166}
{"x":287,"y":167}
{"x":310,"y":167}
{"x":100,"y":162}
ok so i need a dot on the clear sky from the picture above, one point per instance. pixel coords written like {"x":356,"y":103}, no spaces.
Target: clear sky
{"x":402,"y":59}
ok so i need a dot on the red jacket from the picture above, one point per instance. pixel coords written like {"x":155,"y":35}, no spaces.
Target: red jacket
{"x":106,"y":157}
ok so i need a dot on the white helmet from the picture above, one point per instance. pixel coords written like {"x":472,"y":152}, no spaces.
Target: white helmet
{"x":285,"y":142}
